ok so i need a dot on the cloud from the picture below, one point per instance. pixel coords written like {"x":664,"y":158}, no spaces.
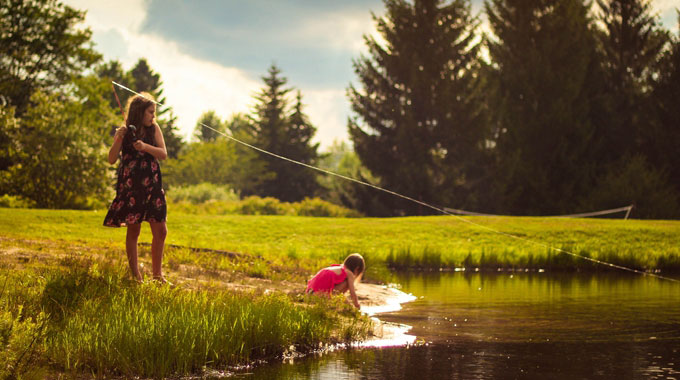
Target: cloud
{"x":169,"y":35}
{"x":328,"y":111}
{"x":191,"y":86}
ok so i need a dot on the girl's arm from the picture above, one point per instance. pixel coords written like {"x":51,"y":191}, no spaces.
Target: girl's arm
{"x":352,"y":292}
{"x":157,"y":151}
{"x":117,"y":144}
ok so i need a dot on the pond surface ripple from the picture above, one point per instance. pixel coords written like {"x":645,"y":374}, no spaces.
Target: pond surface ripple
{"x":517,"y":325}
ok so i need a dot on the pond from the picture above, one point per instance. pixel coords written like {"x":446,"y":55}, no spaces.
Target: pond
{"x":516,"y":325}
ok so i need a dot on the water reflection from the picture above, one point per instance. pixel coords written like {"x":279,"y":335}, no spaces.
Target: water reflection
{"x":510,"y":325}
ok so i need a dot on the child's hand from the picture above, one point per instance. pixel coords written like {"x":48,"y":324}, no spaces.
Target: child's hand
{"x":140,"y":145}
{"x":120,"y":133}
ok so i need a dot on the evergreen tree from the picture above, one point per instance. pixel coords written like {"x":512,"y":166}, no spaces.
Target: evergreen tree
{"x":663,"y":139}
{"x":113,"y":71}
{"x":210,"y":119}
{"x":632,"y":44}
{"x":300,"y":131}
{"x":418,"y":127}
{"x":547,"y":95}
{"x":250,"y":170}
{"x":287,"y":135}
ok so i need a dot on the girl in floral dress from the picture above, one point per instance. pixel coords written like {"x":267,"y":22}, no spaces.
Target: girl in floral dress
{"x":139,"y":188}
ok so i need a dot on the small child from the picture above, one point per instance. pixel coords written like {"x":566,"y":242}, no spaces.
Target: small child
{"x":339,"y":278}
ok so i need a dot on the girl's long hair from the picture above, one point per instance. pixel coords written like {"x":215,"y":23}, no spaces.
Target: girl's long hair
{"x":136,"y":106}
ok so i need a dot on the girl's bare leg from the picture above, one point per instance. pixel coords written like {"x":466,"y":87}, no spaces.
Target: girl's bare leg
{"x":131,"y":250}
{"x":159,"y":231}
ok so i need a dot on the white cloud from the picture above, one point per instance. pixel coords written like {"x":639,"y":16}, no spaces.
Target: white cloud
{"x":124,"y":15}
{"x":191,"y":86}
{"x":337,"y":30}
{"x":328,"y":111}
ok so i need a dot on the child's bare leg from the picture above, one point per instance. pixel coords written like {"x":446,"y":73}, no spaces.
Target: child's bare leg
{"x":131,"y":249}
{"x":159,"y":231}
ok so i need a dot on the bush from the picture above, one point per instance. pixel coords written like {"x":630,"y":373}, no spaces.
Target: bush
{"x":264,"y":206}
{"x":11,"y":201}
{"x":318,"y":207}
{"x":255,"y":205}
{"x":633,"y":180}
{"x":202,"y":193}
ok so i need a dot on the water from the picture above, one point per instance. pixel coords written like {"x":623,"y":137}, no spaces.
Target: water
{"x":517,"y":325}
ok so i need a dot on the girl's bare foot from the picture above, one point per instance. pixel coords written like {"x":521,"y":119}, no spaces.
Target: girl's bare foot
{"x":162,"y":280}
{"x":138,"y":277}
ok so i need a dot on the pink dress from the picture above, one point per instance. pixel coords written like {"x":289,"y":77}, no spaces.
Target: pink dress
{"x":325,"y":280}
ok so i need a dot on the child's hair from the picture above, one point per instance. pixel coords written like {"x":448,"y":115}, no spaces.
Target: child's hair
{"x":135,"y":111}
{"x":355,"y":262}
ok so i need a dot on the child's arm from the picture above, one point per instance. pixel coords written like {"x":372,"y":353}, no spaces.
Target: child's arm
{"x":117,"y":144}
{"x":352,"y":292}
{"x":158,"y":151}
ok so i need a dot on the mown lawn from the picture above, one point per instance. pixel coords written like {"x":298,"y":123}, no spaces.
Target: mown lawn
{"x":413,"y":242}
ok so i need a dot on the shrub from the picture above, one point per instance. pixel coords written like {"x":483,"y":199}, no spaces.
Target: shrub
{"x":255,"y":205}
{"x":264,"y":206}
{"x":201,"y":193}
{"x":319,"y":207}
{"x":11,"y":201}
{"x":633,"y":180}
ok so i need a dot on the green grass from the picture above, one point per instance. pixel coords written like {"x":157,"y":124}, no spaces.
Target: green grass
{"x":77,"y":315}
{"x":67,"y":304}
{"x":414,"y":242}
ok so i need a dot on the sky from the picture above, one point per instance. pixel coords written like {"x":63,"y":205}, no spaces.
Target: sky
{"x":212,"y":54}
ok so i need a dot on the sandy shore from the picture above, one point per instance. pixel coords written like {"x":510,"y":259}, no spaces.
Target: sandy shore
{"x":375,"y":299}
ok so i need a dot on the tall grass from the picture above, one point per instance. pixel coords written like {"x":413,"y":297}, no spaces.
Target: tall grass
{"x":91,"y":318}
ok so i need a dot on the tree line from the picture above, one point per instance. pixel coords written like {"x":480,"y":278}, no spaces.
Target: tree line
{"x":565,"y":106}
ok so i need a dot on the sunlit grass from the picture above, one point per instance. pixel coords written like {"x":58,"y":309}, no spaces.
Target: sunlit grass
{"x":432,"y":242}
{"x":85,"y":316}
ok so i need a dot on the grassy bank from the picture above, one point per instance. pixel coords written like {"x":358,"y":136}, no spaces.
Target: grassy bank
{"x":66,"y":312}
{"x":304,"y":244}
{"x":68,"y":306}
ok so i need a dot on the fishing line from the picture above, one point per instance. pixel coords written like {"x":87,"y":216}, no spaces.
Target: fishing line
{"x":441,"y":210}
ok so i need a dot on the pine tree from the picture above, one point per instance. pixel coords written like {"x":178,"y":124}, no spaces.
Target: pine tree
{"x":419,"y":127}
{"x":287,"y":135}
{"x":632,"y":43}
{"x":663,"y":139}
{"x":210,"y":119}
{"x":300,"y":131}
{"x":546,"y":97}
{"x":113,"y":71}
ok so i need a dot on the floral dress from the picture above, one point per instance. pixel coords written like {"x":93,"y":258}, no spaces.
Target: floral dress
{"x":139,"y":188}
